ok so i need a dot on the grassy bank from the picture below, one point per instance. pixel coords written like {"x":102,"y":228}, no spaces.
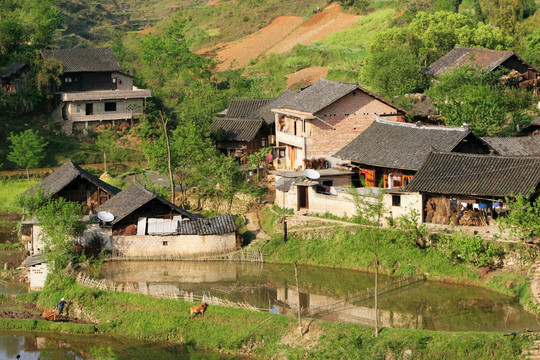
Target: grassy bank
{"x":260,"y":334}
{"x":446,"y":257}
{"x":9,"y":190}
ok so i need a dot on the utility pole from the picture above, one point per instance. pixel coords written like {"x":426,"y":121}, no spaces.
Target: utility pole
{"x":298,"y":295}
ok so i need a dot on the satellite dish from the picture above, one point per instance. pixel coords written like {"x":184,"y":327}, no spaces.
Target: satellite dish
{"x":283,"y":184}
{"x":105,"y":216}
{"x":312,"y":174}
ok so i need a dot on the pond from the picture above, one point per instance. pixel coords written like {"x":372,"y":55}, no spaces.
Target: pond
{"x":53,"y":346}
{"x":331,"y":294}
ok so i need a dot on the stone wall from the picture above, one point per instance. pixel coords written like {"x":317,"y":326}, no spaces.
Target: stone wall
{"x":172,"y":245}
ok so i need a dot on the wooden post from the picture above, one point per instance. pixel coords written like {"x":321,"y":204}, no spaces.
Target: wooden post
{"x":298,"y":295}
{"x":376,"y":294}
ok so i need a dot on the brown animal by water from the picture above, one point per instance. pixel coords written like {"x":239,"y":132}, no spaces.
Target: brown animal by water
{"x":197,"y":309}
{"x":49,"y":315}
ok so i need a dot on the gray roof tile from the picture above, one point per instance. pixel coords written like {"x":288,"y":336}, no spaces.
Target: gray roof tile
{"x":515,"y":146}
{"x":132,"y":198}
{"x":222,"y":224}
{"x":84,"y":60}
{"x":238,"y":129}
{"x":245,"y":108}
{"x":400,"y":145}
{"x":478,"y":175}
{"x":65,"y":174}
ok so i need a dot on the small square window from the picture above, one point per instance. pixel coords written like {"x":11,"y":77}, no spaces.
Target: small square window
{"x":110,"y":106}
{"x":396,"y":200}
{"x":165,"y":243}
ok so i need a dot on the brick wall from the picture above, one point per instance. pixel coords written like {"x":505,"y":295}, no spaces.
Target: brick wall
{"x":150,"y":245}
{"x":342,"y":122}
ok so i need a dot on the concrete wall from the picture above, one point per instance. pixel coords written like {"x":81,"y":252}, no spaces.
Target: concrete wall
{"x":76,"y":110}
{"x":340,"y":203}
{"x":124,"y":82}
{"x":150,"y":245}
{"x":38,"y":276}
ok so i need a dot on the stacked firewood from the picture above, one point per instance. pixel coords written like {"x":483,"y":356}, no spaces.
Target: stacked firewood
{"x":473,"y":218}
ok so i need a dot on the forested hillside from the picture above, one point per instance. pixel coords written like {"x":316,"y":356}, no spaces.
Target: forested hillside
{"x":196,"y":55}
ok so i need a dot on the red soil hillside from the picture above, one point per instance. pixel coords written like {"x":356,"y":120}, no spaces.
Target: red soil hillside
{"x":281,"y":36}
{"x":306,"y":76}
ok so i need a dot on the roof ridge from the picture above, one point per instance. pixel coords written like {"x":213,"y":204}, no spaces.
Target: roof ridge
{"x":452,"y":153}
{"x":424,"y":127}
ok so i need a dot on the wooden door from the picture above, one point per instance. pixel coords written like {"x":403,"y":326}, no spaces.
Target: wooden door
{"x":303,"y":200}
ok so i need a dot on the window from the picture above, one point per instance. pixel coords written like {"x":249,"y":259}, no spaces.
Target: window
{"x":165,"y":243}
{"x":110,"y":106}
{"x":68,"y":80}
{"x":89,"y":109}
{"x":396,"y":200}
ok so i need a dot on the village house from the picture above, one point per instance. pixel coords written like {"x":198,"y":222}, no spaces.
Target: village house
{"x":145,"y":224}
{"x":95,"y":91}
{"x":13,"y":76}
{"x":72,"y":183}
{"x":321,"y":119}
{"x":521,"y":73}
{"x":388,"y":153}
{"x":515,"y":146}
{"x":469,"y":189}
{"x":248,"y":125}
{"x":532,"y":129}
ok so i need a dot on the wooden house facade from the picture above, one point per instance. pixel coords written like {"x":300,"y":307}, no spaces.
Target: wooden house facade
{"x":94,"y":90}
{"x":388,"y":154}
{"x":13,"y":76}
{"x":470,"y":188}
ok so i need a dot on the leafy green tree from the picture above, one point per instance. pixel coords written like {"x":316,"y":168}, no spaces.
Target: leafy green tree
{"x":27,"y":150}
{"x":523,"y":218}
{"x":507,"y":13}
{"x":60,"y":224}
{"x":48,"y":77}
{"x":476,"y":97}
{"x":394,"y":71}
{"x":105,"y":142}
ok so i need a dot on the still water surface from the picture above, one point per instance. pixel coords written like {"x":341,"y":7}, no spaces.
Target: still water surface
{"x":331,"y":294}
{"x":56,"y":346}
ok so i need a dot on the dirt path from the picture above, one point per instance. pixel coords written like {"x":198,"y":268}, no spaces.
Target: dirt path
{"x":306,"y":76}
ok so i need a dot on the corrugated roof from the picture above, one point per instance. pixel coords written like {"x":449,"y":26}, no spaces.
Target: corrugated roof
{"x":478,"y":175}
{"x":515,"y":146}
{"x":245,"y":108}
{"x":12,"y":69}
{"x":238,"y":129}
{"x":32,"y":260}
{"x":84,"y":60}
{"x":323,"y":93}
{"x":213,"y":226}
{"x":132,"y":198}
{"x":400,"y":145}
{"x":68,"y":172}
{"x":458,"y":56}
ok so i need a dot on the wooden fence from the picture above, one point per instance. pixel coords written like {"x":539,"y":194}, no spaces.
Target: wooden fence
{"x":244,"y":255}
{"x":141,"y":288}
{"x":363,"y":296}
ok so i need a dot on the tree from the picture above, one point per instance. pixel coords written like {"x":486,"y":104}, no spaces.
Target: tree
{"x":60,"y":224}
{"x":507,"y":13}
{"x":106,"y":144}
{"x":523,"y":217}
{"x":394,"y":71}
{"x":476,"y":96}
{"x":48,"y":77}
{"x":27,"y":150}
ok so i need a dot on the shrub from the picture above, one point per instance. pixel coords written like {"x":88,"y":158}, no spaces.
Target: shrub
{"x":472,"y":249}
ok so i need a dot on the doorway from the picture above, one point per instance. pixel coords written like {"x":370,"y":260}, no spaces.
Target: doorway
{"x":303,"y":200}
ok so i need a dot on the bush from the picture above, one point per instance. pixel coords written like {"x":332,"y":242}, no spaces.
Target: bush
{"x":472,"y":249}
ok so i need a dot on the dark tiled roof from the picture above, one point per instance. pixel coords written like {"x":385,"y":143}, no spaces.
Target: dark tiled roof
{"x":12,"y":69}
{"x":32,"y":260}
{"x":515,"y":146}
{"x":245,"y":108}
{"x":478,"y":175}
{"x":132,"y":198}
{"x":65,"y":174}
{"x":533,"y":127}
{"x":214,"y":226}
{"x":238,"y":129}
{"x":400,"y":145}
{"x":84,"y":60}
{"x":323,"y":93}
{"x":458,"y":56}
{"x":266,"y":111}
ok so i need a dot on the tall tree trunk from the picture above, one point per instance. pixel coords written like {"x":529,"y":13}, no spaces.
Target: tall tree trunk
{"x":171,"y":179}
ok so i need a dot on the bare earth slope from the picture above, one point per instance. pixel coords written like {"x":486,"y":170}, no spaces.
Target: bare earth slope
{"x":281,"y":36}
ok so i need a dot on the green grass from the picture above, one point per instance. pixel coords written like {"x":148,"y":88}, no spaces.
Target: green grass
{"x":234,"y":330}
{"x":9,"y":190}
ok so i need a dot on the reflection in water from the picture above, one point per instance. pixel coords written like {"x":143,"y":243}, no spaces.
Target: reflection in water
{"x":332,"y":294}
{"x":54,"y":346}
